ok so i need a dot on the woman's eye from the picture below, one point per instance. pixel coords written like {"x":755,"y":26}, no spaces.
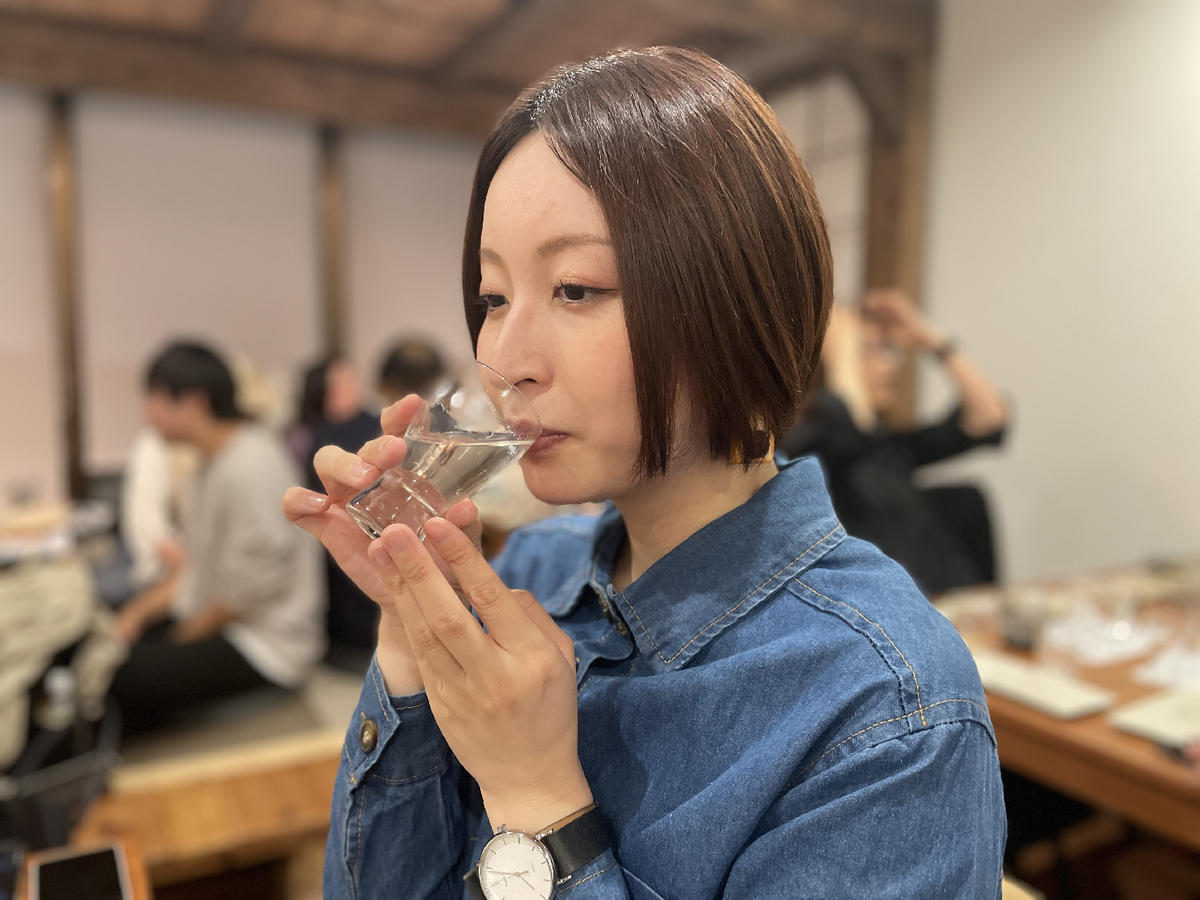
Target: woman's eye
{"x":571,"y":292}
{"x":491,"y":302}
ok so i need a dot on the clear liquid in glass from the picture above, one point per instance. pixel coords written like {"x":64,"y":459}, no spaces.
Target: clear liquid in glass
{"x":438,"y":470}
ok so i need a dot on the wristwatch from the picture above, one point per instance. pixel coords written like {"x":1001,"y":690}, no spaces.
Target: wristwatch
{"x":515,"y":865}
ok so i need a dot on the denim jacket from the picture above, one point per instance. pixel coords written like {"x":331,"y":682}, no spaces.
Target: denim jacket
{"x":772,"y":710}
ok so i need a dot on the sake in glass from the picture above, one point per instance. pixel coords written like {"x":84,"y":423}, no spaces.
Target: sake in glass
{"x":454,"y":445}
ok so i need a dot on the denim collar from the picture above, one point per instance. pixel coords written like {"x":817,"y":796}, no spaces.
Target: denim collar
{"x":720,"y":573}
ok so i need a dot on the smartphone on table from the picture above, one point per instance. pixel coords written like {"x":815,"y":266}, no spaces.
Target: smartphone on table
{"x":98,"y":873}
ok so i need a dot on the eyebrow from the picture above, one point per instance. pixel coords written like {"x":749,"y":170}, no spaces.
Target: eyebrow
{"x":552,"y":246}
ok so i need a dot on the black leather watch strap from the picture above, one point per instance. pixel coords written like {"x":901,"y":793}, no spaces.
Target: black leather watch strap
{"x":577,"y":843}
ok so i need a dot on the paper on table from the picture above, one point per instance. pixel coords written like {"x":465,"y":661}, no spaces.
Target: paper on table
{"x":1045,"y":689}
{"x":1171,"y":718}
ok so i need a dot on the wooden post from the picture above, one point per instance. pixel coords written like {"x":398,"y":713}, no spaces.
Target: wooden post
{"x":63,"y":205}
{"x":896,"y":208}
{"x":331,"y":226}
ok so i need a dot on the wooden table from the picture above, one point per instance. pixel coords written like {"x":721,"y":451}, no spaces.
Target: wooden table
{"x":1090,"y":760}
{"x":221,"y":811}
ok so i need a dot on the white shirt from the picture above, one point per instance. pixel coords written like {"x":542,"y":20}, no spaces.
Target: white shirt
{"x":246,"y":555}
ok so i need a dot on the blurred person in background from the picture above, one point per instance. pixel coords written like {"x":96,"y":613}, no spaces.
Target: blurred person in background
{"x":412,"y":366}
{"x":942,"y":535}
{"x":153,"y":503}
{"x":241,"y":603}
{"x":331,"y":412}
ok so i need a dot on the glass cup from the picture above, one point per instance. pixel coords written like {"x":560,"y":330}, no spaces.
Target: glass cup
{"x":454,"y":445}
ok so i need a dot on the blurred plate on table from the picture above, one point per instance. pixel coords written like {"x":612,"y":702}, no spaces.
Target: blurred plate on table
{"x":1047,"y":690}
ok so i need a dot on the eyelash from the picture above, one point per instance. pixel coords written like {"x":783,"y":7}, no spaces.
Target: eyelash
{"x":492,"y":302}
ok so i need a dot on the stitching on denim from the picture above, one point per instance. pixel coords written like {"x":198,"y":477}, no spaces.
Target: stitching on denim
{"x":412,"y":706}
{"x":411,"y":778}
{"x":921,"y":710}
{"x":379,"y":696}
{"x":585,"y":880}
{"x":349,"y":765}
{"x":729,"y":611}
{"x":362,"y":804}
{"x":920,"y":707}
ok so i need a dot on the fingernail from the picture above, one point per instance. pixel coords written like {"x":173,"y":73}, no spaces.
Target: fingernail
{"x":361,"y":470}
{"x":386,"y":442}
{"x":379,"y":555}
{"x":440,"y":528}
{"x":315,"y":501}
{"x":397,"y":541}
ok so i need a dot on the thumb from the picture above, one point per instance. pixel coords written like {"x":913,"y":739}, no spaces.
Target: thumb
{"x":542,"y":620}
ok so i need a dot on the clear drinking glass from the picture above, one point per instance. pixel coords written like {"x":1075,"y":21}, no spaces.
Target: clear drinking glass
{"x":454,"y":445}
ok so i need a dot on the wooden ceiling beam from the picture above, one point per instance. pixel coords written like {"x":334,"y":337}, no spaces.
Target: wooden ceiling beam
{"x":537,"y":34}
{"x":63,"y":56}
{"x":226,"y":21}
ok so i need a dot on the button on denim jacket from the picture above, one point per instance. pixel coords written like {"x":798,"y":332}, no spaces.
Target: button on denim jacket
{"x":772,"y":710}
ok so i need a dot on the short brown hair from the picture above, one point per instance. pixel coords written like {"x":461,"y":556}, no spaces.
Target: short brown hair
{"x":721,"y":247}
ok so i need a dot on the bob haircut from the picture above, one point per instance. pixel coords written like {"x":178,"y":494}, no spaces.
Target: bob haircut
{"x":721,"y":247}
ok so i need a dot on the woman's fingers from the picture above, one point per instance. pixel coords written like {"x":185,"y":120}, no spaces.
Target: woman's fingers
{"x":495,"y":604}
{"x":397,"y":417}
{"x":384,"y":452}
{"x":305,"y":508}
{"x":439,"y":626}
{"x":465,"y":516}
{"x":549,"y":627}
{"x":343,"y":474}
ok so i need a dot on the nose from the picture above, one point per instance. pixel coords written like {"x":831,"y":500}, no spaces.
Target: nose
{"x":515,"y":347}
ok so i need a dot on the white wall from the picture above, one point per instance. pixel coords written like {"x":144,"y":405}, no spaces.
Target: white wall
{"x":406,"y":208}
{"x":30,"y":459}
{"x":1064,"y":252}
{"x":195,"y":222}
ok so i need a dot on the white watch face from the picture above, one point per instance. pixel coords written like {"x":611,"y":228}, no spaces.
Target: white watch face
{"x":514,"y":867}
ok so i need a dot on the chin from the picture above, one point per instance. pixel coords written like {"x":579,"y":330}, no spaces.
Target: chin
{"x":557,"y":484}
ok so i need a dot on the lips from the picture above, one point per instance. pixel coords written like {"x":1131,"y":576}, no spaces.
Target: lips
{"x":546,"y":440}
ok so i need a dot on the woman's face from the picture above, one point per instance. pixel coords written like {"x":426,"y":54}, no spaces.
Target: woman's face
{"x":881,"y":366}
{"x":555,"y":326}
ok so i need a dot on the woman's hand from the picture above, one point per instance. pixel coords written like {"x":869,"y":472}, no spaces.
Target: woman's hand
{"x":505,"y":698}
{"x":344,"y":476}
{"x":903,"y":324}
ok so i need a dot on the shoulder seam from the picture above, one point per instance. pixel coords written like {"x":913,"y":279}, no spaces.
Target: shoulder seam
{"x":800,"y":775}
{"x":917,"y":684}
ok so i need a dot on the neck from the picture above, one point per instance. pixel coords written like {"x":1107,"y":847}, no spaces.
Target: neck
{"x":664,"y":512}
{"x":213,"y":434}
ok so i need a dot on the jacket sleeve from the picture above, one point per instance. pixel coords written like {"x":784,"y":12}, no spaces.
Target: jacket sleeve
{"x":398,"y":827}
{"x":920,"y":815}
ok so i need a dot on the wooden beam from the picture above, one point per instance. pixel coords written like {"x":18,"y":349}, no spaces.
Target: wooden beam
{"x":539,"y":34}
{"x":896,"y":210}
{"x":64,"y":56}
{"x":880,"y":82}
{"x":331,"y":224}
{"x":225,"y":23}
{"x":63,"y":209}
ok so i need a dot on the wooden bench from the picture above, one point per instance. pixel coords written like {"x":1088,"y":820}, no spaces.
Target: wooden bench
{"x":217,"y":811}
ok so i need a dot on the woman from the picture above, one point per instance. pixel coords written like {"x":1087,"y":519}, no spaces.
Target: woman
{"x":942,"y":536}
{"x":715,"y":692}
